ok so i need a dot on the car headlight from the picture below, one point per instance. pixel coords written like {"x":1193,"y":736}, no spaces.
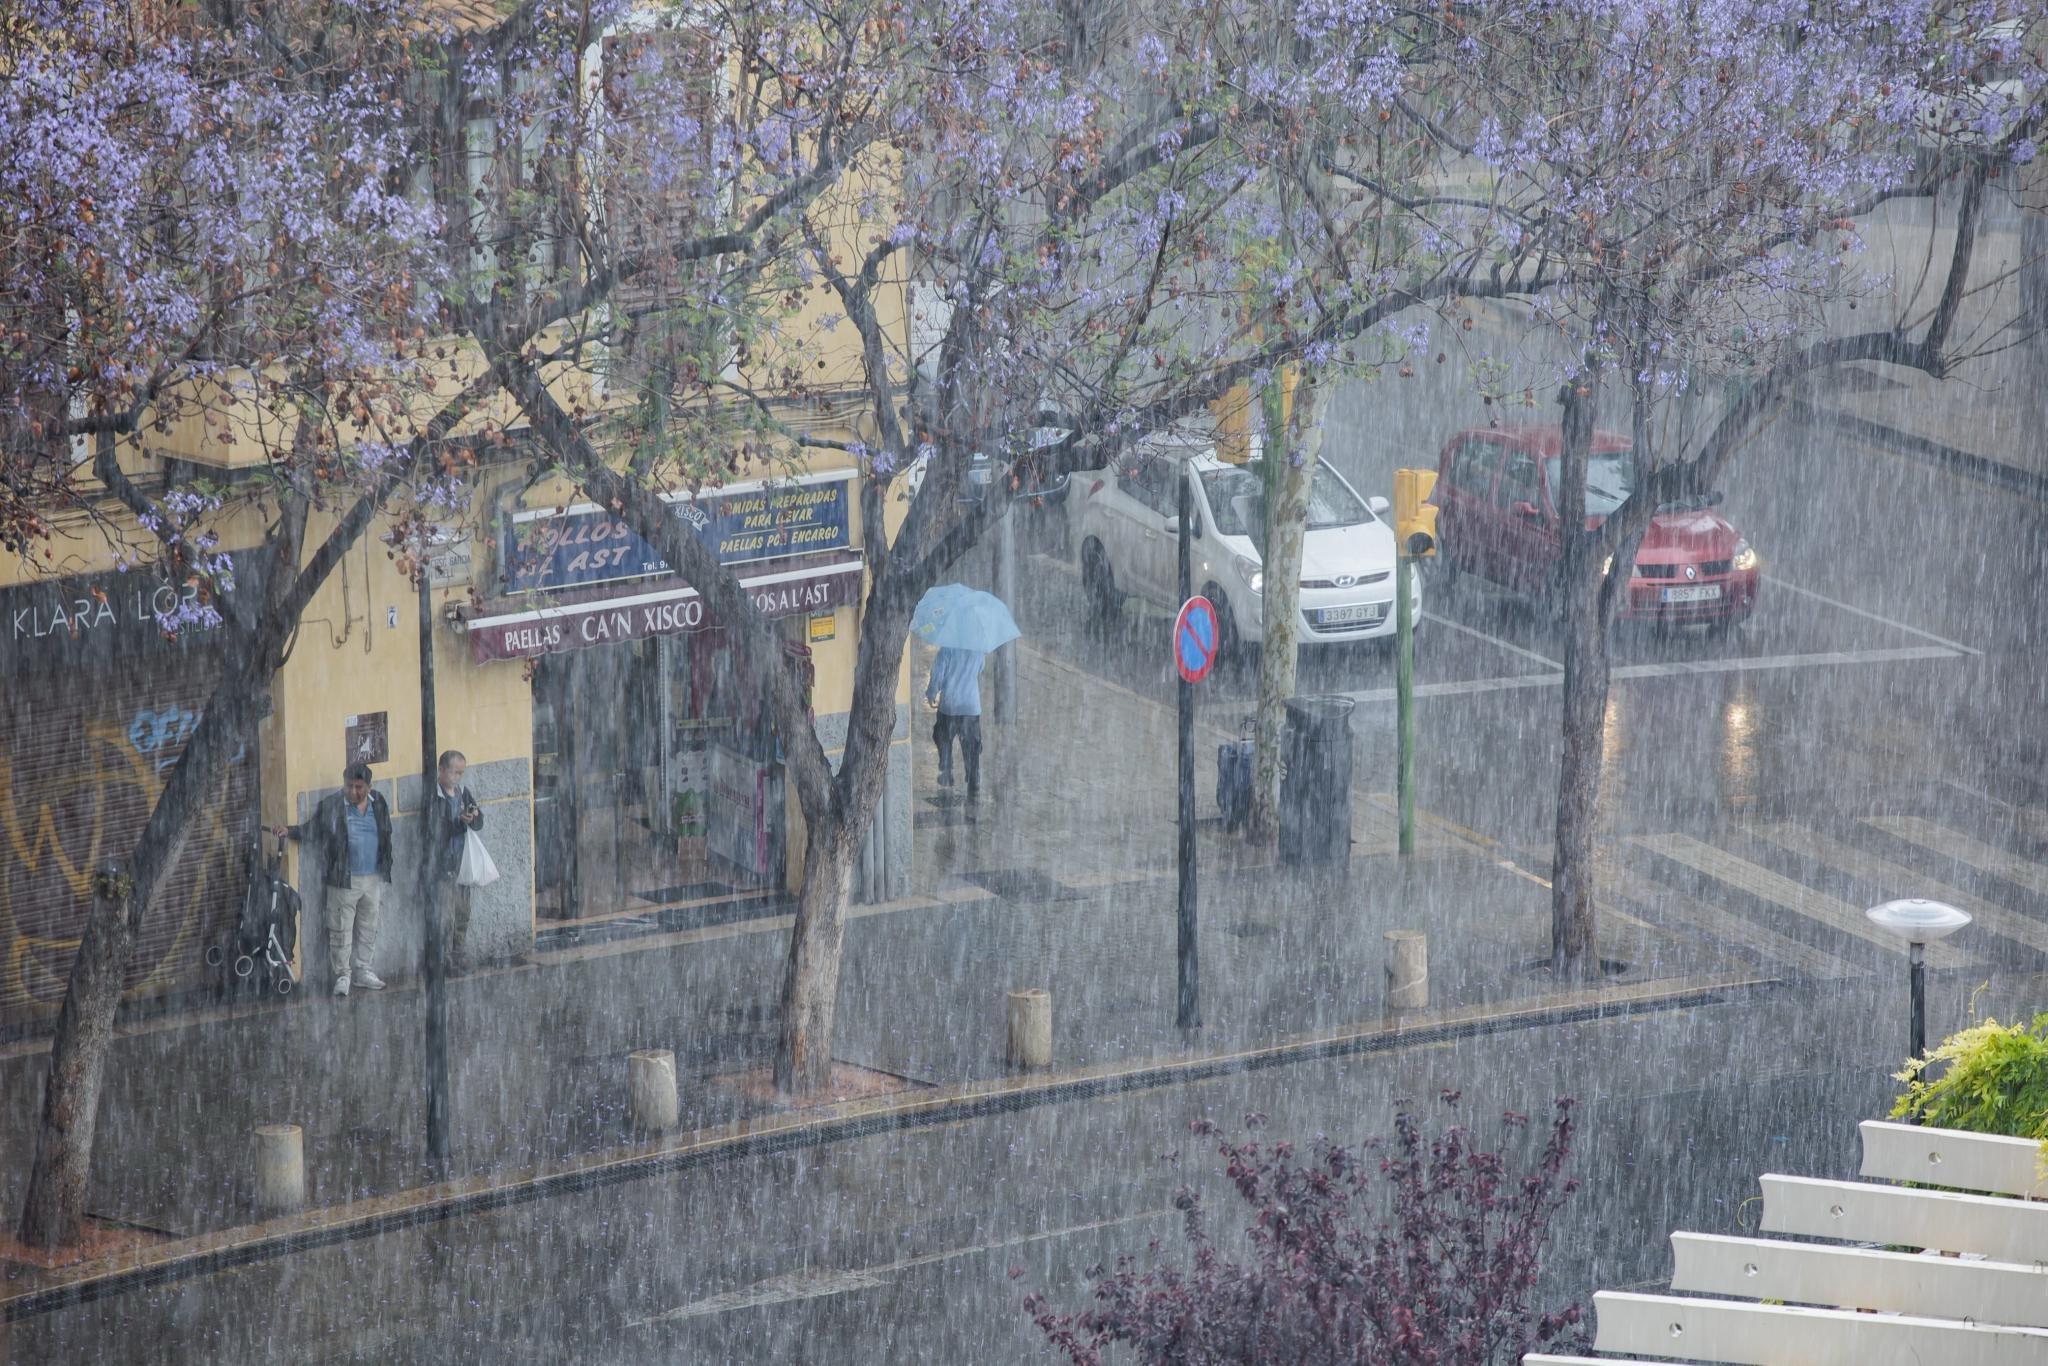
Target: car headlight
{"x":1607,"y":566}
{"x":1746,"y":559}
{"x":1248,"y":570}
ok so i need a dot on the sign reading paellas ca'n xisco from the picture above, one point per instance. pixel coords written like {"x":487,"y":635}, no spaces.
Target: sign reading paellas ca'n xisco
{"x":548,"y":550}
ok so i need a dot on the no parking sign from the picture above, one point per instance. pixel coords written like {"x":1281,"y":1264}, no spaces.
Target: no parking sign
{"x":1194,"y":639}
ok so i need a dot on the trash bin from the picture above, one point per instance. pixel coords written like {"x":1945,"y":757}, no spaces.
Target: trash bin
{"x":1315,"y":794}
{"x":1234,"y":782}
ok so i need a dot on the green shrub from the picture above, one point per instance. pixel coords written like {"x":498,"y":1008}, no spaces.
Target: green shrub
{"x":1988,"y":1079}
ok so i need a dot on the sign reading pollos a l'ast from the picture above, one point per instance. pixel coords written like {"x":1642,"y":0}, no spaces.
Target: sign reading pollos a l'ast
{"x":585,"y":544}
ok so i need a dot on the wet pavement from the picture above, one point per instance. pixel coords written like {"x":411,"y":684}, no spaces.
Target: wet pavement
{"x":1874,"y":731}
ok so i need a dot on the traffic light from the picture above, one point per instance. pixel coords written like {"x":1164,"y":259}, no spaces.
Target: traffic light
{"x":1414,"y":514}
{"x":1233,"y":414}
{"x":1243,"y":410}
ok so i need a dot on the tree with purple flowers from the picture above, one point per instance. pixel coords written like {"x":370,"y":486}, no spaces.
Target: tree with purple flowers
{"x":1680,"y":190}
{"x":1054,"y":231}
{"x":1422,"y":1250}
{"x":207,"y":218}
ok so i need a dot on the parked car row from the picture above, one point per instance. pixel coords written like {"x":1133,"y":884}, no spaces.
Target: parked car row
{"x":1496,"y":491}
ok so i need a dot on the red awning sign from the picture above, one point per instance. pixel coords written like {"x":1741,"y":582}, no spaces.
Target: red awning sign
{"x":667,"y":612}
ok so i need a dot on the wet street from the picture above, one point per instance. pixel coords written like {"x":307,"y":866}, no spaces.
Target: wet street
{"x":1872,"y":732}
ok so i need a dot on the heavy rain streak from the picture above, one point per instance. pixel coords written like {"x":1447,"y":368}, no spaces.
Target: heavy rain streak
{"x":957,"y":681}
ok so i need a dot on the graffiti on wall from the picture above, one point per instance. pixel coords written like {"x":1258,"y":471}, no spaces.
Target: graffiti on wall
{"x":58,"y":821}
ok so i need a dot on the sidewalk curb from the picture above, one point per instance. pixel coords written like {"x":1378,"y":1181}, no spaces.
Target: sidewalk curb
{"x":1951,"y":459}
{"x":249,"y":1244}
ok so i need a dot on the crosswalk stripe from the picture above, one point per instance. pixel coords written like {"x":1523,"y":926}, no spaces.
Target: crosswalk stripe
{"x":1963,"y":849}
{"x":1727,"y":926}
{"x":1783,"y":891}
{"x":1844,"y":858}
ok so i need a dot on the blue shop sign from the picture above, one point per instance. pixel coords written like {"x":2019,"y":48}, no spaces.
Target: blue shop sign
{"x":587,"y":545}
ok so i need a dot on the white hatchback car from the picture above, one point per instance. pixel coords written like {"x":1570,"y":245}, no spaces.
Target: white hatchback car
{"x":1126,"y":527}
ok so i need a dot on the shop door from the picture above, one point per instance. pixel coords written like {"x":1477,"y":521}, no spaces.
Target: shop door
{"x":596,"y":773}
{"x":80,"y":770}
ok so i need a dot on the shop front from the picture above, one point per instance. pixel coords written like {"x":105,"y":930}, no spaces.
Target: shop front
{"x":658,"y":773}
{"x":96,"y":706}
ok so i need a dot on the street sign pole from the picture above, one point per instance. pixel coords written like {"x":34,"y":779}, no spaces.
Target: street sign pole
{"x":1189,"y":1011}
{"x":1404,"y":692}
{"x":436,"y":1041}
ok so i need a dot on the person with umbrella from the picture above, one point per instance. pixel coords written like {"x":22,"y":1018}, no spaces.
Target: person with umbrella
{"x":965,"y":624}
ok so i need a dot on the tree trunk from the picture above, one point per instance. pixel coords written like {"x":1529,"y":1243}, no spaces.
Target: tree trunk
{"x":810,"y":983}
{"x":62,"y":1170}
{"x":1573,"y":951}
{"x":1286,"y":525}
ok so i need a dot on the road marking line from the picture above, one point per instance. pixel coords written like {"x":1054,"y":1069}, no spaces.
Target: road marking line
{"x":1796,"y":897}
{"x":1854,"y":610}
{"x":1494,"y":640}
{"x":821,"y":1282}
{"x":1669,"y":669}
{"x":1675,"y":667}
{"x":1963,"y":849}
{"x":1463,"y":689}
{"x":1727,"y":926}
{"x":1845,"y":858}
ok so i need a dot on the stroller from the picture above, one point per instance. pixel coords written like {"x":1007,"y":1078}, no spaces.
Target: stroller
{"x":266,"y":931}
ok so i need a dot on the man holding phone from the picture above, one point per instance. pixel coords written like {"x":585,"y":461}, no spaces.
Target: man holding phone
{"x":451,"y":815}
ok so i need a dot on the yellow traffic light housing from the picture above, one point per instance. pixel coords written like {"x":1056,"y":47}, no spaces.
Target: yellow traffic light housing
{"x":1233,"y":414}
{"x":1414,"y":514}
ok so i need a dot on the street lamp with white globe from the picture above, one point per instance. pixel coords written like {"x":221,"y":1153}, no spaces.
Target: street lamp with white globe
{"x":1919,"y":922}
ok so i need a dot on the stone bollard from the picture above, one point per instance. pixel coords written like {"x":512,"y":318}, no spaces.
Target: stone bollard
{"x":1407,"y":969}
{"x":280,"y":1167}
{"x":1027,"y":1043}
{"x":651,"y":1085}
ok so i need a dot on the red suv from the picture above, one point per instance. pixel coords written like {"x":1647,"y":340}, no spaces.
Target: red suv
{"x":1497,"y":521}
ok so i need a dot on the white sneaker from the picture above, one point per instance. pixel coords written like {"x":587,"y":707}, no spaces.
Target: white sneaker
{"x":341,"y":985}
{"x":367,"y":980}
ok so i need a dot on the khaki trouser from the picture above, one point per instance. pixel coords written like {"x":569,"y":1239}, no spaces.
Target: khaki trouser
{"x":352,"y":914}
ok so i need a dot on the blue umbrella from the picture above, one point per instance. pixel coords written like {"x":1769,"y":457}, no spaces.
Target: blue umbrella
{"x":956,"y":617}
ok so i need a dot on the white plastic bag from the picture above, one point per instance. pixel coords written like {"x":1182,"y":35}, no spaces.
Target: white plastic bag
{"x":476,"y":869}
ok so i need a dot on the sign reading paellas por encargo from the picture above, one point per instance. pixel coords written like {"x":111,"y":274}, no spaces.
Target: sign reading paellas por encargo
{"x":548,"y":550}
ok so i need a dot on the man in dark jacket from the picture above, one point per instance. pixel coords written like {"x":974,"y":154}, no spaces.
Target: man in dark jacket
{"x":351,"y":830}
{"x":451,"y":814}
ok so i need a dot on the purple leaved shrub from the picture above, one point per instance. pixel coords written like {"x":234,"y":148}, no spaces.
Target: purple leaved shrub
{"x":1420,"y":1250}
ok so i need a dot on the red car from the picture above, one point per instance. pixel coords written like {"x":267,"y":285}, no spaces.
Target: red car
{"x":1497,"y":522}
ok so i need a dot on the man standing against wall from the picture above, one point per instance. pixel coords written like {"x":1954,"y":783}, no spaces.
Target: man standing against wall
{"x":451,"y":815}
{"x":352,"y":832}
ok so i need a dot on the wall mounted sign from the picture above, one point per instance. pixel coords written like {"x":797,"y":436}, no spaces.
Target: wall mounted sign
{"x":90,"y":619}
{"x":585,"y":544}
{"x":665,"y":612}
{"x":367,"y":738}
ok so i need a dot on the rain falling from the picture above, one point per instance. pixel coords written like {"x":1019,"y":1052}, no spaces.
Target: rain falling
{"x":1097,"y":681}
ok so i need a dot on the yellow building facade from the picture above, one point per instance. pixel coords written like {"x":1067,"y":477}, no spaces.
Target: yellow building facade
{"x":626,"y":774}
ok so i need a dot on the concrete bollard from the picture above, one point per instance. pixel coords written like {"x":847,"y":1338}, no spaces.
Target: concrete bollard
{"x":1407,"y":970}
{"x":651,"y":1085}
{"x":1028,"y":1040}
{"x":280,"y":1167}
